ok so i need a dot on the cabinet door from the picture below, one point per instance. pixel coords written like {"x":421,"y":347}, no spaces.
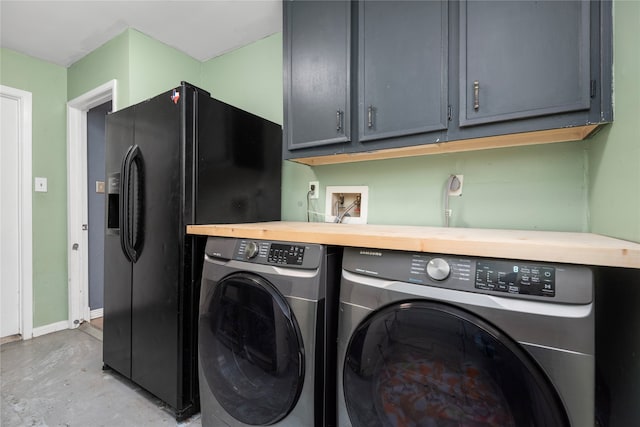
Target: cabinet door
{"x":403,"y":58}
{"x":317,"y":73}
{"x":523,"y":59}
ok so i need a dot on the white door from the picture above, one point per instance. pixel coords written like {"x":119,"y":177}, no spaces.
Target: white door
{"x":9,"y":218}
{"x":16,"y":258}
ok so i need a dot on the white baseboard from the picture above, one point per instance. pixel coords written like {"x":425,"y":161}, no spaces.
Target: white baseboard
{"x":98,"y":312}
{"x":52,"y":327}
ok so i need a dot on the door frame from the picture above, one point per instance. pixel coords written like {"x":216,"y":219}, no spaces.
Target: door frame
{"x":25,"y":203}
{"x":77,"y":209}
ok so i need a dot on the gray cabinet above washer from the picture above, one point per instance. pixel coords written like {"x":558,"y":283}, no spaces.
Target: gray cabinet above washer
{"x":522,"y":59}
{"x":430,"y":72}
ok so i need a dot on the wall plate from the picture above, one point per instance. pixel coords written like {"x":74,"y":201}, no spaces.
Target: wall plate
{"x":315,"y":193}
{"x":40,"y":184}
{"x":340,"y":198}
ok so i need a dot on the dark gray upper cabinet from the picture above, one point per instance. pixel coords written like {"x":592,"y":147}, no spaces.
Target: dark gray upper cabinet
{"x":369,"y":79}
{"x":402,"y":63}
{"x":317,"y":70}
{"x":522,"y":59}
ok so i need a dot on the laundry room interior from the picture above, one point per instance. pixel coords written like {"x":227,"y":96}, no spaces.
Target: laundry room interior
{"x":340,"y":241}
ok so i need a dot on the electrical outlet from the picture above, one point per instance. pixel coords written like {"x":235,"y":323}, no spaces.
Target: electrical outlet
{"x":314,"y":189}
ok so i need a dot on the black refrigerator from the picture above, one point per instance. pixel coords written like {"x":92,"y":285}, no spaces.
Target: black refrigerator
{"x":179,"y":158}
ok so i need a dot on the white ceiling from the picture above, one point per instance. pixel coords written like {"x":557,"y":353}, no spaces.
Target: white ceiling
{"x":62,"y":32}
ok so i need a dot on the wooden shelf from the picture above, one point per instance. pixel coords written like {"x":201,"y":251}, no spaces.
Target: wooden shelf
{"x":549,"y":246}
{"x":576,"y":133}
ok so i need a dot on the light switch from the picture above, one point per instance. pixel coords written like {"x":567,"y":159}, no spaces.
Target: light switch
{"x":99,"y":186}
{"x":41,"y":184}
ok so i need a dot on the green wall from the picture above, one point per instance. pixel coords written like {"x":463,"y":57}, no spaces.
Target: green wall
{"x":48,"y":85}
{"x":108,"y":62}
{"x":142,"y":66}
{"x":535,"y":187}
{"x":614,"y":158}
{"x":155,"y":67}
{"x":249,"y":78}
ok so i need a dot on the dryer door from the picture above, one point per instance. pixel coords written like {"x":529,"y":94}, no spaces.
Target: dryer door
{"x":431,"y":364}
{"x":251,"y":349}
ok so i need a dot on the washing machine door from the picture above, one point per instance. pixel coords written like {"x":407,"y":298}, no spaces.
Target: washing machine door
{"x":251,"y":349}
{"x":431,"y":364}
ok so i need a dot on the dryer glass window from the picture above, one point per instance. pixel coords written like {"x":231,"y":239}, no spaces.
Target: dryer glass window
{"x":251,"y":350}
{"x":428,"y":364}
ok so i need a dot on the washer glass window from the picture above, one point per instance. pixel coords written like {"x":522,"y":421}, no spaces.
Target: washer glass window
{"x":429,"y":364}
{"x":251,"y":350}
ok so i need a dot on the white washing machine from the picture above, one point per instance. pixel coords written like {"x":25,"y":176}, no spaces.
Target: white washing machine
{"x":438,"y":340}
{"x":267,"y":331}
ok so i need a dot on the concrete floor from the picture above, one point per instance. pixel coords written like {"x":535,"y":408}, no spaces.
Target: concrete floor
{"x":57,"y":380}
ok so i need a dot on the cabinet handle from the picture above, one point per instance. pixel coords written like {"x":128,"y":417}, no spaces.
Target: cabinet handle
{"x":476,"y":95}
{"x":370,"y":116}
{"x":339,"y":115}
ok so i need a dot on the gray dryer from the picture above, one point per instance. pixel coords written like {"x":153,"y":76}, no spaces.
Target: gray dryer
{"x":439,"y":340}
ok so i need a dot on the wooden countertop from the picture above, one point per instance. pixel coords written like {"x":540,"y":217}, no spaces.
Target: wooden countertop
{"x":573,"y":248}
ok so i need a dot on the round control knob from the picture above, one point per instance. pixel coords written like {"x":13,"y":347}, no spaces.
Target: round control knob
{"x":438,"y":269}
{"x":251,"y":250}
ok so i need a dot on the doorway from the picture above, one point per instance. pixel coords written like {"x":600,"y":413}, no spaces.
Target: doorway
{"x":96,"y":132}
{"x":78,"y":199}
{"x":16,"y":274}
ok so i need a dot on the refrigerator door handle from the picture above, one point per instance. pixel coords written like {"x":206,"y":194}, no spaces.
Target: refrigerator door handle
{"x":137,"y":210}
{"x":124,"y":204}
{"x":127,"y":213}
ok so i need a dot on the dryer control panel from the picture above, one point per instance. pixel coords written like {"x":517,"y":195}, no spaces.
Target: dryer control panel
{"x":520,"y":278}
{"x":558,"y":283}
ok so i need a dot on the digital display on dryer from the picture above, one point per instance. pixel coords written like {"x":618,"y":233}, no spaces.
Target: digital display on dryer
{"x":523,"y":279}
{"x":286,"y":254}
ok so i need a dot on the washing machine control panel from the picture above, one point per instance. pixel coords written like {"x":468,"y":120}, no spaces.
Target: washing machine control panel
{"x":276,"y":253}
{"x":516,"y":278}
{"x":286,"y":254}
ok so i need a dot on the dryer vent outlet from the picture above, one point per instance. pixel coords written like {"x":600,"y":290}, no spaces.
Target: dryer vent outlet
{"x":455,"y":185}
